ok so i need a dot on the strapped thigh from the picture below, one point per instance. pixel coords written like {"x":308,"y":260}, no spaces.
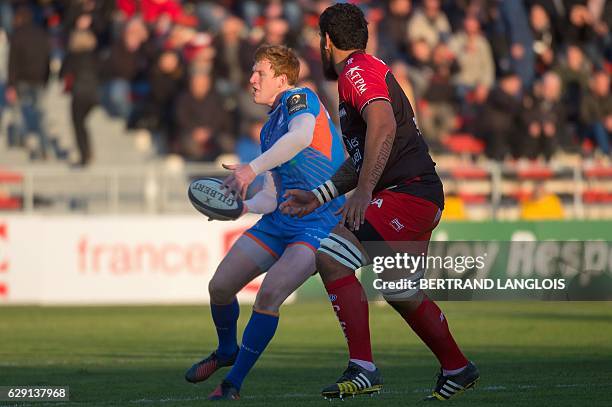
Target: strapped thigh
{"x":343,"y":251}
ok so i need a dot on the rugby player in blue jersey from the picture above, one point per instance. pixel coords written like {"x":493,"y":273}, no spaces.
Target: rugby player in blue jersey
{"x":301,"y":149}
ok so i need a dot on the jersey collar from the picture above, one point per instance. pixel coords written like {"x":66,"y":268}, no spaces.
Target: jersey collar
{"x":277,"y":101}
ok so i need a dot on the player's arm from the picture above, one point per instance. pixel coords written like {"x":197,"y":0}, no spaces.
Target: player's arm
{"x":379,"y":139}
{"x":380,"y":134}
{"x":298,"y":137}
{"x":344,"y":180}
{"x":264,"y":201}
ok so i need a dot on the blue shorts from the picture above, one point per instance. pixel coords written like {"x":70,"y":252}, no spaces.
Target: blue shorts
{"x":276,"y":236}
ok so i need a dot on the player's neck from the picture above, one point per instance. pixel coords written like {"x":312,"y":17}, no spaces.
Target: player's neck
{"x":341,"y":56}
{"x":279,"y":95}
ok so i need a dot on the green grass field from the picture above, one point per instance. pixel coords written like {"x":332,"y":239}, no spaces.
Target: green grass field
{"x":536,"y":354}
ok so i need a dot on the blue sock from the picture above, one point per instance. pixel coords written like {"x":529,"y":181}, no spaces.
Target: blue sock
{"x":257,"y":334}
{"x":225,"y":318}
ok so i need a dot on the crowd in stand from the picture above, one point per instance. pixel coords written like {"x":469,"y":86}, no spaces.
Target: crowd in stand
{"x":529,"y":78}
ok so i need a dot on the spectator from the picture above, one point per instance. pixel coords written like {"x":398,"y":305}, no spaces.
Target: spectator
{"x":473,"y":54}
{"x":234,"y":58}
{"x":429,"y":23}
{"x":28,"y":73}
{"x":400,"y":72}
{"x":123,"y":64}
{"x":311,"y":54}
{"x":276,"y":30}
{"x":574,"y":73}
{"x":166,"y":79}
{"x":545,"y":41}
{"x":596,"y":111}
{"x":249,"y":112}
{"x":393,"y":29}
{"x":516,"y":27}
{"x":601,"y":11}
{"x":202,"y":123}
{"x":579,"y":28}
{"x":101,"y":12}
{"x":211,"y":15}
{"x":500,"y":124}
{"x":543,"y":117}
{"x":420,"y":68}
{"x":437,"y":114}
{"x":80,"y":73}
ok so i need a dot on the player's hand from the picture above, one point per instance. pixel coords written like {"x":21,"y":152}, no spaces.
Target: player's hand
{"x":239,"y":180}
{"x":299,"y":203}
{"x":353,"y":210}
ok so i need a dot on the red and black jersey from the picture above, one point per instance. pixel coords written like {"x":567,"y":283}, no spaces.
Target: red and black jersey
{"x":365,"y":79}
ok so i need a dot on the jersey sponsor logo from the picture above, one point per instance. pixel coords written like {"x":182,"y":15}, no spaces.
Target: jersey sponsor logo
{"x":396,"y":224}
{"x":296,"y":102}
{"x":356,"y":79}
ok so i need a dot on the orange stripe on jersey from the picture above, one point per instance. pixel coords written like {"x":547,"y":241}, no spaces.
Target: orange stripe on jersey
{"x":322,"y":137}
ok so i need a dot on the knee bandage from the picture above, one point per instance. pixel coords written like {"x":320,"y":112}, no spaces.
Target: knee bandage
{"x":343,"y":251}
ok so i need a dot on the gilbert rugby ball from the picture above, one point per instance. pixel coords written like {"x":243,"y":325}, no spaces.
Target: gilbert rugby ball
{"x":208,"y":198}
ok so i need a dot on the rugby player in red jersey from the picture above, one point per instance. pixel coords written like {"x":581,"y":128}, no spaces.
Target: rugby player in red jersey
{"x":397,"y":196}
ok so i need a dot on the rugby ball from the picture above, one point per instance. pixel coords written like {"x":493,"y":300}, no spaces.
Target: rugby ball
{"x":209,"y":199}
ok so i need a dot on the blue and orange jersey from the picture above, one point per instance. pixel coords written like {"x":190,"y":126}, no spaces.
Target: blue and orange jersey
{"x":313,"y":165}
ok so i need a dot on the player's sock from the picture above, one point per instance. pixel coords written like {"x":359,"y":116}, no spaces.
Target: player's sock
{"x":257,"y":334}
{"x":351,"y":306}
{"x":369,"y":366}
{"x":225,"y":318}
{"x":429,"y":323}
{"x":453,"y":372}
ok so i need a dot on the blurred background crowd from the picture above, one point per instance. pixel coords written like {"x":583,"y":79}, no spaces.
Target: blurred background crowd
{"x":524,"y":79}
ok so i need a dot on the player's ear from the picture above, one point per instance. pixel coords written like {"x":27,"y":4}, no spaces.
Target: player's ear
{"x":328,"y":42}
{"x":283,"y":80}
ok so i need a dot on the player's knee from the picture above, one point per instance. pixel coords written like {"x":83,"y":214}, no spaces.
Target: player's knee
{"x":330,"y":269}
{"x":219,"y":291}
{"x":269,"y":299}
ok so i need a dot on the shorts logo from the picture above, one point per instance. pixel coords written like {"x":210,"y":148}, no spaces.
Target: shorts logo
{"x":332,"y":297}
{"x":296,"y":102}
{"x":396,"y":224}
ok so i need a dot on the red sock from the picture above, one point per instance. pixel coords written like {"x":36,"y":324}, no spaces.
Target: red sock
{"x":351,"y":306}
{"x":430,"y":325}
